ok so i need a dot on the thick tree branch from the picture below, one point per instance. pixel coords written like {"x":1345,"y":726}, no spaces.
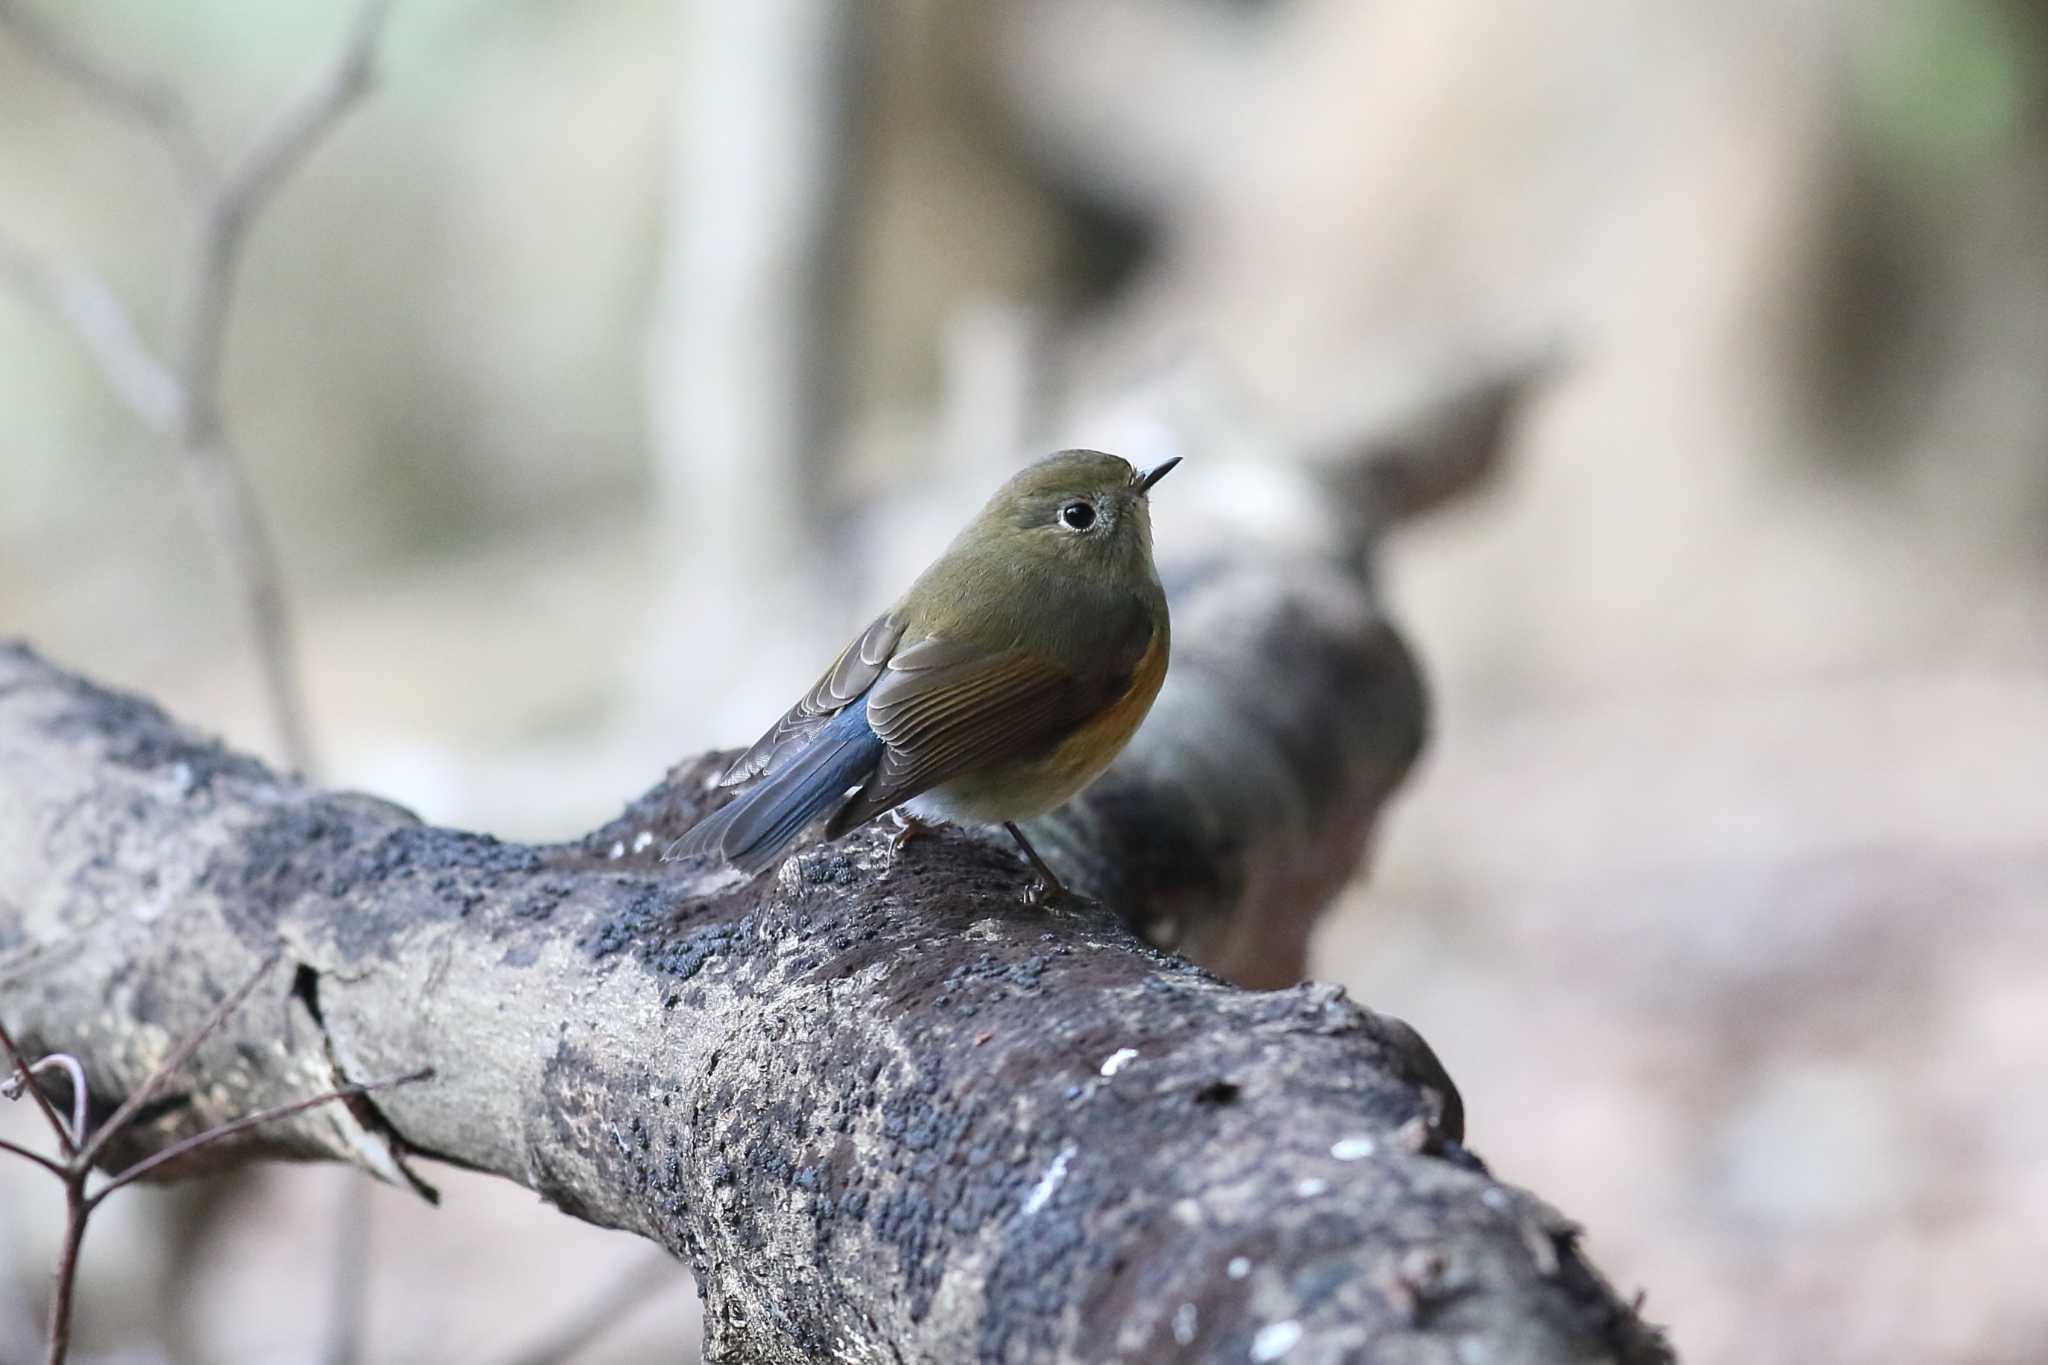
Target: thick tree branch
{"x":1449,"y":446}
{"x":886,"y":1111}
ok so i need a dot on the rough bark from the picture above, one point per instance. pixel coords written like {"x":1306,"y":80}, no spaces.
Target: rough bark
{"x":886,"y":1111}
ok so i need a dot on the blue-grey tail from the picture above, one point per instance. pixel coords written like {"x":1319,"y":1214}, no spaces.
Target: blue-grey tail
{"x":754,"y":830}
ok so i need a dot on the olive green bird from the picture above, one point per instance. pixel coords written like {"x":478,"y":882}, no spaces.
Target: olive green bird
{"x":1016,"y":667}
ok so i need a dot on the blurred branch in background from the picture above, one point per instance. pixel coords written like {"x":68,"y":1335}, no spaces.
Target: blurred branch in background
{"x":1455,"y":444}
{"x":1293,"y":517}
{"x":179,"y":401}
{"x":140,"y":99}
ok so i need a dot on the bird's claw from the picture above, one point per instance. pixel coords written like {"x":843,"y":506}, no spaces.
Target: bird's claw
{"x":908,"y":827}
{"x":1059,"y":897}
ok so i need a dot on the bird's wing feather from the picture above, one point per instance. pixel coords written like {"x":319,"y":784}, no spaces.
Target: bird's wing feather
{"x":945,"y":708}
{"x":850,"y":675}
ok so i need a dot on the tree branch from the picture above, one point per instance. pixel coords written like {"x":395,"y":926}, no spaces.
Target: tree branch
{"x":186,"y":1146}
{"x":53,"y":1167}
{"x":142,"y":100}
{"x":887,"y":1112}
{"x":277,"y":151}
{"x":82,"y":1151}
{"x":71,"y":1134}
{"x":95,"y":315}
{"x":23,"y":1078}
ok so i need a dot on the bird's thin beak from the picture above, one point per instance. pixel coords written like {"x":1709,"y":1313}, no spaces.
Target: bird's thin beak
{"x":1155,"y":474}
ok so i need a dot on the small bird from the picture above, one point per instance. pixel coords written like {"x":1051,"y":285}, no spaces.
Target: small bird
{"x":1016,"y":667}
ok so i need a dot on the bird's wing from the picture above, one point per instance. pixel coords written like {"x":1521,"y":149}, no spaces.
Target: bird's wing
{"x":852,"y":673}
{"x":945,"y":708}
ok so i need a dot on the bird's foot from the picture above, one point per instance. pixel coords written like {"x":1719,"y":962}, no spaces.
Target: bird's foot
{"x":1046,"y":887}
{"x":1046,"y":890}
{"x":908,"y":827}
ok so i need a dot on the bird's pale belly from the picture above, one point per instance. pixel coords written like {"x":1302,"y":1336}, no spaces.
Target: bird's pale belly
{"x":1028,"y":788}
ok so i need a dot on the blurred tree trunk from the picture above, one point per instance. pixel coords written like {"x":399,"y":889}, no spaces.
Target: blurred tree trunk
{"x":747,"y":353}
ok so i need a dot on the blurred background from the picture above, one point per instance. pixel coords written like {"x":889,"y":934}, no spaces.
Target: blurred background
{"x":610,"y":360}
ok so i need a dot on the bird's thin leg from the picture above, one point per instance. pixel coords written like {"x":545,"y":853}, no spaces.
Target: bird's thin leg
{"x":1049,"y":886}
{"x":908,"y":827}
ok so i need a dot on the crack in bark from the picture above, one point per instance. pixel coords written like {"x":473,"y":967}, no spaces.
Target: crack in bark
{"x":374,"y":1143}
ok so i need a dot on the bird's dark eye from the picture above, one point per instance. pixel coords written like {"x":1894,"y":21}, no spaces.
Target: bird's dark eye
{"x":1077,"y":516}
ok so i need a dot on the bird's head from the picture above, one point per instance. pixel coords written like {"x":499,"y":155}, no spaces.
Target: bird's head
{"x":1079,"y":508}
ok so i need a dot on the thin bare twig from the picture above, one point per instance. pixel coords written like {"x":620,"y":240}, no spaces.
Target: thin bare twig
{"x":81,"y":1156}
{"x":218,"y":475}
{"x":103,"y":325}
{"x":18,"y":1066}
{"x":54,"y":1167}
{"x":220,"y":484}
{"x":242,"y":193}
{"x":12,"y":1087}
{"x":153,"y":1084}
{"x":191,"y":1144}
{"x":66,"y":1286}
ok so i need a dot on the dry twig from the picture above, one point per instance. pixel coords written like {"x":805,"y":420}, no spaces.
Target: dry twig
{"x":81,"y":1151}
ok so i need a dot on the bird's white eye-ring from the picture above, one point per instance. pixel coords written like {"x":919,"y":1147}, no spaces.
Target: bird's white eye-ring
{"x":1078,"y":516}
